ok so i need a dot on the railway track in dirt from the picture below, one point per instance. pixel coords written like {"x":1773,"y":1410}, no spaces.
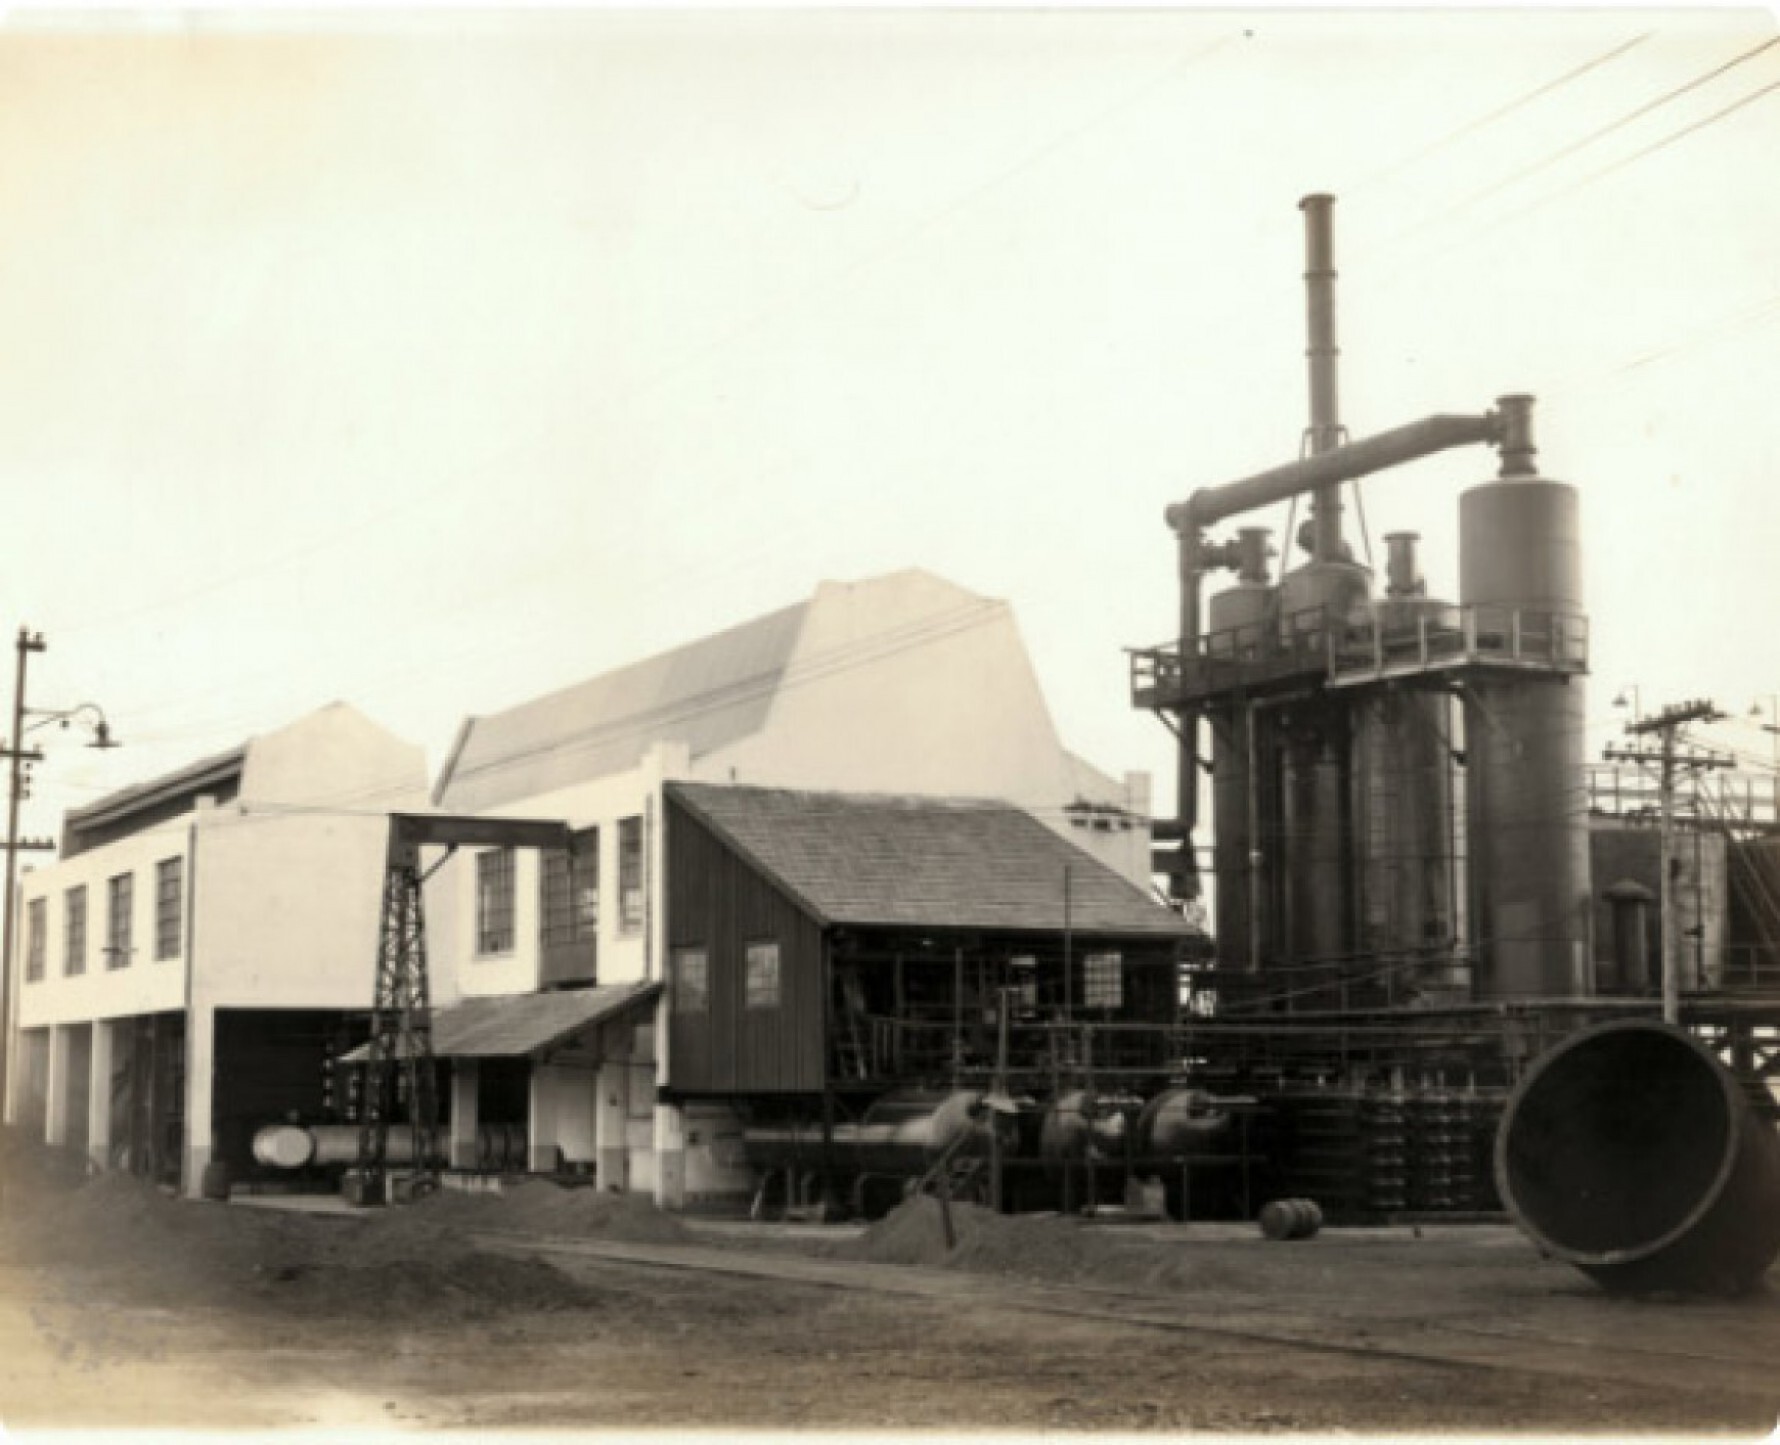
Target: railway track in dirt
{"x":1504,"y":1349}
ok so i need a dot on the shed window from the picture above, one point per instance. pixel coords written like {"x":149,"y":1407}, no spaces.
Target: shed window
{"x":762,"y":989}
{"x":1103,"y":981}
{"x":169,"y":906}
{"x":74,"y":934}
{"x":494,"y":901}
{"x":630,"y":874}
{"x":120,"y":900}
{"x":36,"y":939}
{"x":692,"y":981}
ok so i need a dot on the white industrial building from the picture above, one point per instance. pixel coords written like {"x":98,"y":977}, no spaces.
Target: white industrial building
{"x":904,"y":684}
{"x":180,"y":967}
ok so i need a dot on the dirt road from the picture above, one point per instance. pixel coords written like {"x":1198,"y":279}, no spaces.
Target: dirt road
{"x":180,"y":1315}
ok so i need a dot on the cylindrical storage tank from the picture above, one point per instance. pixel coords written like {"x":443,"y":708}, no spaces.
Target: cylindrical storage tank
{"x":1078,"y":1126}
{"x":1631,"y":1153}
{"x":1312,"y":886}
{"x":1180,"y":1124}
{"x":1403,"y":831}
{"x":283,"y":1146}
{"x":1240,"y":612}
{"x":1320,"y":594}
{"x":902,"y":1133}
{"x":1527,"y":831}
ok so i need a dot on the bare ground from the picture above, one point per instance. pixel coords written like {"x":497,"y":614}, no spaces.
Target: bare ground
{"x":563,"y":1310}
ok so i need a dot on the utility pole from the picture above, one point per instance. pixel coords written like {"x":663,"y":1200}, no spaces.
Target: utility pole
{"x":1667,"y":725}
{"x":17,"y":755}
{"x":18,"y":758}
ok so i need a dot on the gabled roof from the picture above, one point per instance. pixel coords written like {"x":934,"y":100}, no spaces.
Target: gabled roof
{"x":866,"y":859}
{"x":706,"y":694}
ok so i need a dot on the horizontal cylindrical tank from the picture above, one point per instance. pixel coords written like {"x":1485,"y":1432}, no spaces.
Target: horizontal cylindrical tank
{"x":1180,"y":1123}
{"x":1519,"y":565}
{"x":1631,"y":1153}
{"x":1079,"y":1125}
{"x":902,"y":1133}
{"x":294,"y":1146}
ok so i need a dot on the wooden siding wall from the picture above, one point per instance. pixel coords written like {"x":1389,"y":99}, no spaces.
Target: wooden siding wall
{"x":718,"y":902}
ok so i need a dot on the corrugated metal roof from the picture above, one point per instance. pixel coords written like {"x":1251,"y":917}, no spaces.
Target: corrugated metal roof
{"x":517,"y":1025}
{"x":706,"y":694}
{"x":863,"y":859}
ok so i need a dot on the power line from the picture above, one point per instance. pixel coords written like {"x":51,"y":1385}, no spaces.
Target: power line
{"x":1619,"y":124}
{"x":1500,"y":113}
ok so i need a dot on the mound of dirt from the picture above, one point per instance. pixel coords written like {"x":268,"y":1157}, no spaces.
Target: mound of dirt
{"x":119,"y":1233}
{"x":540,"y":1207}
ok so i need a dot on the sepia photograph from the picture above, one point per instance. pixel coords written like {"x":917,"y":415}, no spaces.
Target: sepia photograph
{"x":996,"y":721}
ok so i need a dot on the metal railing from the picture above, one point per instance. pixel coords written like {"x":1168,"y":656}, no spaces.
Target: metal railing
{"x":1316,"y":643}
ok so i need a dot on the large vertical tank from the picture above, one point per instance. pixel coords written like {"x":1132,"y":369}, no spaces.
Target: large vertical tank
{"x":1314,"y":882}
{"x":1243,"y":610}
{"x":1527,"y":826}
{"x":1403,"y":797}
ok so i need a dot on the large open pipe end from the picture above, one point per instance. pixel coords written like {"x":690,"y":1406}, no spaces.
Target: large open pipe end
{"x":1631,"y":1153}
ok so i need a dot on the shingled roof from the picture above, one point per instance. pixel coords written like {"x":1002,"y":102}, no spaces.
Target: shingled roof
{"x":869,"y":859}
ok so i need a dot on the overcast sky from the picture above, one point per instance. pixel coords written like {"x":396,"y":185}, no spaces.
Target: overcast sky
{"x":436,"y":364}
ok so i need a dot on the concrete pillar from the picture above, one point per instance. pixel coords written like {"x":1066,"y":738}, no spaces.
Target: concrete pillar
{"x":466,"y":1113}
{"x":670,"y":1156}
{"x":540,"y":1125}
{"x":200,"y":1088}
{"x":610,"y":1125}
{"x":99,"y":1094}
{"x":55,"y":1113}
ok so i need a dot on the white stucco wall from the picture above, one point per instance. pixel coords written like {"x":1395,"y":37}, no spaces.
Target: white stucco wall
{"x":144,"y":985}
{"x":625,"y":956}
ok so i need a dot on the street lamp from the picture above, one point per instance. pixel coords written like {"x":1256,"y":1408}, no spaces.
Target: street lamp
{"x":1629,"y":697}
{"x":19,"y":756}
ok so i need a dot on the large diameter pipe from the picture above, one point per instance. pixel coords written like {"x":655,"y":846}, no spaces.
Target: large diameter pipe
{"x":1394,"y":448}
{"x":1631,"y":1153}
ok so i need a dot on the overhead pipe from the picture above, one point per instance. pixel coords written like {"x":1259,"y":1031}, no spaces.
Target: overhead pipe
{"x":1424,"y":438}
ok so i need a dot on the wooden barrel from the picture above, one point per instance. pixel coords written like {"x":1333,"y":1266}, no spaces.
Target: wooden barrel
{"x":1291,"y":1218}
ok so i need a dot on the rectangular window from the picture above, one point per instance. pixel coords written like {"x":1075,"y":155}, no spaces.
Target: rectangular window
{"x":569,"y":897}
{"x":494,"y":901}
{"x":120,"y":900}
{"x":630,"y":874}
{"x":74,"y":935}
{"x":762,"y":987}
{"x":36,"y":939}
{"x":1103,"y":981}
{"x":1022,"y":985}
{"x":692,"y":981}
{"x":169,"y":906}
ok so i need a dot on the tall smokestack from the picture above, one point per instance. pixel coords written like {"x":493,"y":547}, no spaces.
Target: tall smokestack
{"x":1323,"y":354}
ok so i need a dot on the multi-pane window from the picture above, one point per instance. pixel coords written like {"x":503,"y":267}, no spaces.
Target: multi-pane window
{"x":569,"y":895}
{"x":169,"y":906}
{"x":761,"y":986}
{"x":1103,"y":981}
{"x":630,"y":874}
{"x":36,"y":939}
{"x":494,"y":901}
{"x":692,"y":981}
{"x":74,"y":932}
{"x":120,"y":899}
